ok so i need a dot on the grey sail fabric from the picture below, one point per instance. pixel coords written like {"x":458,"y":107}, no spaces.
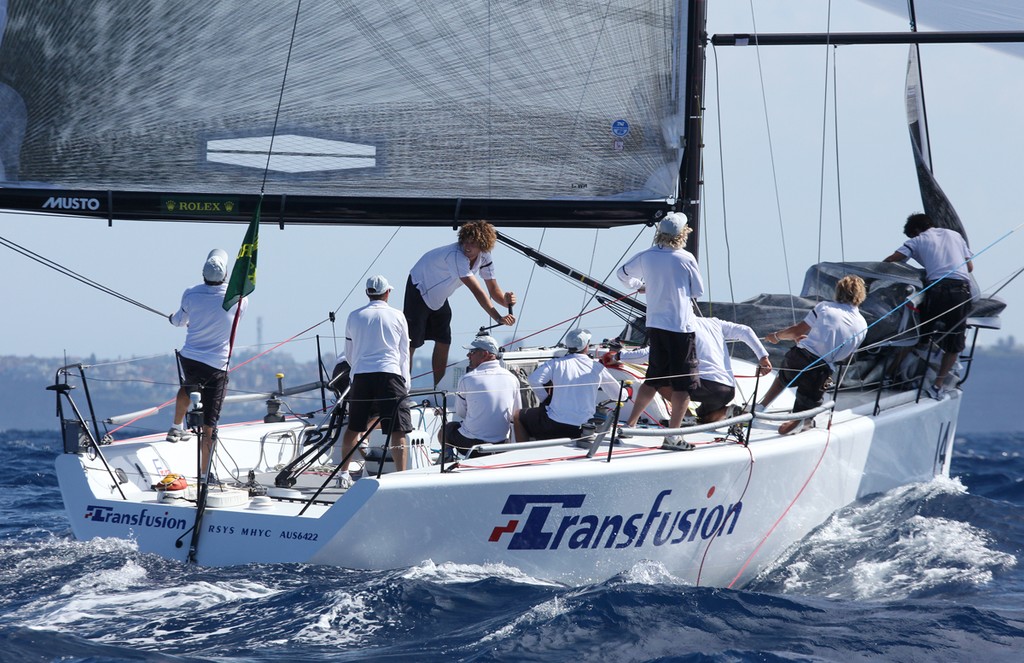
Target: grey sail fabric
{"x":433,"y":98}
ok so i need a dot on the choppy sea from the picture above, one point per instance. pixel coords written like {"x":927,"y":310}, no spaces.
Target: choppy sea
{"x":929,"y":572}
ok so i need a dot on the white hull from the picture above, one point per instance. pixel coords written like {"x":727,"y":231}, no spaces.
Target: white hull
{"x":552,"y":512}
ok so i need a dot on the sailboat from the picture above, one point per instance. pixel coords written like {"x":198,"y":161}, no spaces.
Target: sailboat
{"x":376,"y":113}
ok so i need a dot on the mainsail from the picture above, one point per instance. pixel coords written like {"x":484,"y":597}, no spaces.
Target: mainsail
{"x":390,"y":111}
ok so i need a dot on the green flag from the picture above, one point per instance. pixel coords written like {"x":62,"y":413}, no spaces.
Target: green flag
{"x":243,"y":275}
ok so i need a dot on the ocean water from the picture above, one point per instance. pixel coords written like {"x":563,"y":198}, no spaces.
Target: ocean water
{"x":927,"y":572}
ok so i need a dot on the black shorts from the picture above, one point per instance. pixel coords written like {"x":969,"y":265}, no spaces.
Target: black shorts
{"x":426,"y":324}
{"x":712,"y":396}
{"x":540,"y":426}
{"x":210,"y":382}
{"x":810,"y":384}
{"x":378,"y":394}
{"x":454,"y":437}
{"x":673,"y":360}
{"x":944,"y":314}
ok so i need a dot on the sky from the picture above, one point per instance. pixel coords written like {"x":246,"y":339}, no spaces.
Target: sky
{"x":778,"y":195}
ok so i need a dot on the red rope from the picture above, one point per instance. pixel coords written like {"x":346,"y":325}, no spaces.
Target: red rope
{"x":233,"y":368}
{"x":771,"y":529}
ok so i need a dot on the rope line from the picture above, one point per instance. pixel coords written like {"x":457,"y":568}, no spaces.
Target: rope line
{"x":66,"y":271}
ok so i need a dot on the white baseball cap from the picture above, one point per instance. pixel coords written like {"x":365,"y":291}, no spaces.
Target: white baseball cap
{"x":215,"y":269}
{"x":486,"y":343}
{"x":577,"y":339}
{"x":377,"y":285}
{"x":673,"y":224}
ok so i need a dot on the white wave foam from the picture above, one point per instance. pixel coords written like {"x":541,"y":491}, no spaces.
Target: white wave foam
{"x":450,"y":573}
{"x":542,"y":612}
{"x":348,"y":619}
{"x":127,"y":592}
{"x":930,"y":552}
{"x":647,"y":572}
{"x":881,"y":549}
{"x":25,"y":559}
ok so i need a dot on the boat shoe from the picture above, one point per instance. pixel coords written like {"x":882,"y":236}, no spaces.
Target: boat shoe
{"x":790,"y":427}
{"x":677,"y":443}
{"x":178,"y":435}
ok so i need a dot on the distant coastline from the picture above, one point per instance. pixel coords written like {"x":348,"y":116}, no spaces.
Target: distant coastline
{"x":119,"y":386}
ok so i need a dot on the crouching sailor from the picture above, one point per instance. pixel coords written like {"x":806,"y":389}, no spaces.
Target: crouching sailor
{"x":830,"y":333}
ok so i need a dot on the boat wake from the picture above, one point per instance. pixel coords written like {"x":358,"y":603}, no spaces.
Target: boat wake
{"x":913,"y":542}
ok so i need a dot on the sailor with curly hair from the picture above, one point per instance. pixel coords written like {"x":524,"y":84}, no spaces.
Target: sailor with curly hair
{"x":437,"y":274}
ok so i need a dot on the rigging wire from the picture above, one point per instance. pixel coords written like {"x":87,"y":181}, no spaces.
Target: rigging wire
{"x":368,"y":268}
{"x":66,"y":271}
{"x":835,"y":124}
{"x":607,"y":276}
{"x":529,"y":282}
{"x":775,"y":174}
{"x":824,"y":133}
{"x":280,"y":99}
{"x":721,"y":177}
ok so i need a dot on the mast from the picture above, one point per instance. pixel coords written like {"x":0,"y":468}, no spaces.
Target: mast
{"x":690,"y":168}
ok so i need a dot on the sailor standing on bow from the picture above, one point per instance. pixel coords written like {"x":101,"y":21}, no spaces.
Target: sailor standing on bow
{"x":204,"y":357}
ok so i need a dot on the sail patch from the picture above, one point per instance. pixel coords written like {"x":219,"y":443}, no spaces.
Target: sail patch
{"x":292,"y":153}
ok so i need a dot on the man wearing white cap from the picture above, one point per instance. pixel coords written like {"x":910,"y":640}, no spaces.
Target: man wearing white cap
{"x":377,"y":348}
{"x":486,"y":400}
{"x":204,"y":357}
{"x":571,"y":383}
{"x":669,"y":275}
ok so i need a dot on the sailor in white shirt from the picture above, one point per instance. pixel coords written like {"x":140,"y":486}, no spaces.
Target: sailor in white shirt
{"x":946,"y":258}
{"x":572,"y":382}
{"x":204,"y":357}
{"x":827,"y":336}
{"x":487,"y":399}
{"x":437,"y":275}
{"x":669,"y":275}
{"x":377,"y":348}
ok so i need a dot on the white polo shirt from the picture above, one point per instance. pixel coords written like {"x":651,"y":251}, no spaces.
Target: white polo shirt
{"x":942,"y":252}
{"x":671,"y":278}
{"x":377,"y":340}
{"x":439,"y":272}
{"x":576,"y":379}
{"x":209,"y":325}
{"x":713,"y":352}
{"x":834,"y":326}
{"x":486,"y":399}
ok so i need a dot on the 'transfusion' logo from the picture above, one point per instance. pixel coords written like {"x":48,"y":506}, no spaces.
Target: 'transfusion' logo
{"x":106,"y":514}
{"x":576,"y":530}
